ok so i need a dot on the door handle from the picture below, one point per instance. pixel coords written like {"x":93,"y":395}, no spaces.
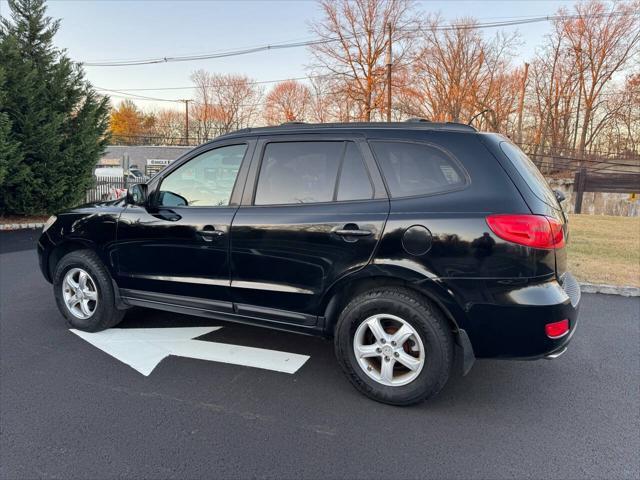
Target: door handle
{"x":353,"y":233}
{"x":209,"y":232}
{"x":166,"y":214}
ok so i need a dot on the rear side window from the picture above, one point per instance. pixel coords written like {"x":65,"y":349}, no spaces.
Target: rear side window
{"x":298,"y":172}
{"x":530,"y":173}
{"x":312,"y":172}
{"x":354,"y":180}
{"x":412,"y":169}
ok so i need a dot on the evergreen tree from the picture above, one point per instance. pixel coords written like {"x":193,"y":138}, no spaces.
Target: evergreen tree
{"x":58,"y":120}
{"x":8,"y":147}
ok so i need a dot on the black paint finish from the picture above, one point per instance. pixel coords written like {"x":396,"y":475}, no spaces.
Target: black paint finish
{"x":294,"y":267}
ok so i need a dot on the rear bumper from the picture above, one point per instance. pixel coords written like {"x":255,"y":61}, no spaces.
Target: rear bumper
{"x":556,"y":354}
{"x":508,"y":321}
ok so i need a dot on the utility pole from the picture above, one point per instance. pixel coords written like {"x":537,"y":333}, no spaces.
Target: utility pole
{"x":389,"y":64}
{"x":521,"y":104}
{"x":186,"y":120}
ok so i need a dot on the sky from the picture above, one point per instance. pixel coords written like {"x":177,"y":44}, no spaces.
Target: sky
{"x":126,"y":29}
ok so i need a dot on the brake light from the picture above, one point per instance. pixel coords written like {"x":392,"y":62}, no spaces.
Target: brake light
{"x":535,"y":231}
{"x":557,"y":329}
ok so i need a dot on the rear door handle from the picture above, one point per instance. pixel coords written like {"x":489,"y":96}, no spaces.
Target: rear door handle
{"x":353,"y":233}
{"x":209,"y":232}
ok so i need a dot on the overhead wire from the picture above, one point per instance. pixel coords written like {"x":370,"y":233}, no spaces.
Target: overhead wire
{"x":319,"y":41}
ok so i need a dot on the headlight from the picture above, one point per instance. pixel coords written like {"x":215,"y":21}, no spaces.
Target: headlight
{"x":52,"y":219}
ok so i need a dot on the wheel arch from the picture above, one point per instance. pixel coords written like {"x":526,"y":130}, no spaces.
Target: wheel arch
{"x":62,"y":249}
{"x":390,"y":275}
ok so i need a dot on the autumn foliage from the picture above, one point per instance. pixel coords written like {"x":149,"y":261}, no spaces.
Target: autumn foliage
{"x":128,"y":121}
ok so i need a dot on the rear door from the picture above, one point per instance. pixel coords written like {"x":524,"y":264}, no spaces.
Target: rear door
{"x":312,"y":212}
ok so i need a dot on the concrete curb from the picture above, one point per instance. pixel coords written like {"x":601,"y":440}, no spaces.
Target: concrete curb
{"x":20,"y":226}
{"x":625,"y":291}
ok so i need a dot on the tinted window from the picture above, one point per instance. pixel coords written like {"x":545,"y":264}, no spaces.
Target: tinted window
{"x":298,"y":172}
{"x":414,"y":169}
{"x":354,"y":180}
{"x":204,"y":181}
{"x":528,"y":170}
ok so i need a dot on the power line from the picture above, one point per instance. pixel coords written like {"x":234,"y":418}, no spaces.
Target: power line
{"x":319,"y":41}
{"x":252,"y":82}
{"x":121,"y":94}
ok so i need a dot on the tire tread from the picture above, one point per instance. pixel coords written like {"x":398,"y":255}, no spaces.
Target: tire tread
{"x":107,"y":315}
{"x":405,"y":299}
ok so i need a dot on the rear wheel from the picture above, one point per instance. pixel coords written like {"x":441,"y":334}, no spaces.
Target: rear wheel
{"x":84,"y":292}
{"x":394,"y":346}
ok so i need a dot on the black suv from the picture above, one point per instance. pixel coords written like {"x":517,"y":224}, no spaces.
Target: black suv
{"x":407,"y":243}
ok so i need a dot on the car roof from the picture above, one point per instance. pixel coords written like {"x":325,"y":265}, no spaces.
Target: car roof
{"x":301,"y":127}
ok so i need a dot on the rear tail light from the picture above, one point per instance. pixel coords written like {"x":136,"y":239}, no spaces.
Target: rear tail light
{"x":535,"y":231}
{"x":557,"y":329}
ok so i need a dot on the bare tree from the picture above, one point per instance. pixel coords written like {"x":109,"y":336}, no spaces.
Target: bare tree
{"x":224,"y":103}
{"x":602,"y":42}
{"x":168,"y":128}
{"x":320,"y":100}
{"x":355,"y":39}
{"x":459,"y":74}
{"x":288,"y":101}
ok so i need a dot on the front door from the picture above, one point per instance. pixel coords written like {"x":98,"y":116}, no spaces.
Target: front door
{"x":179,"y":243}
{"x":311,"y":214}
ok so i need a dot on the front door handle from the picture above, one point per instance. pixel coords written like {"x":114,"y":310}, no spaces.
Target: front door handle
{"x":209,"y":232}
{"x":166,"y":214}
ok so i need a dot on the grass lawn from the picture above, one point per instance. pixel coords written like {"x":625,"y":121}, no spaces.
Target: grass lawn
{"x":604,"y":249}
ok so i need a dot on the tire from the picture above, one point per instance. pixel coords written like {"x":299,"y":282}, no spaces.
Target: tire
{"x":100,"y":313}
{"x":393,"y":308}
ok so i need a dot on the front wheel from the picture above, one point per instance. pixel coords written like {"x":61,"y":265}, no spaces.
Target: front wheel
{"x":394,"y":346}
{"x":84,"y":292}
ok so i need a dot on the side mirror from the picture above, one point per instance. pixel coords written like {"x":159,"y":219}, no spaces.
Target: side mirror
{"x":137,"y":194}
{"x":559,"y":196}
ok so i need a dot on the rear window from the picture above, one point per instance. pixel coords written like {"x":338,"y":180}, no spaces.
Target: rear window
{"x":412,"y":169}
{"x":530,"y":173}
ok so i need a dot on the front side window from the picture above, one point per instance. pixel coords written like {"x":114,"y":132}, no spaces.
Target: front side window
{"x":298,"y":172}
{"x":412,"y":169}
{"x":204,"y":181}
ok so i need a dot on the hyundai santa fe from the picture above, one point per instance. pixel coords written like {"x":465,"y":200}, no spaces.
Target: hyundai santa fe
{"x":407,"y":243}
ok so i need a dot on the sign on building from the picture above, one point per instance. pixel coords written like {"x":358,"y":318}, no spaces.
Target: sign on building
{"x":110,"y":162}
{"x":154,"y":165}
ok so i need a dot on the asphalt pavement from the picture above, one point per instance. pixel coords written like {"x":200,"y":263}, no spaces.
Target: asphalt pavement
{"x":69,"y":410}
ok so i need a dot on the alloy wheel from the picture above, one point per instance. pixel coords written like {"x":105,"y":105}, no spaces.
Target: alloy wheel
{"x":389,"y":350}
{"x":80,"y":293}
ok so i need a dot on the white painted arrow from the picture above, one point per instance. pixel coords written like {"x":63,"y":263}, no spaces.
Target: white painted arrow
{"x":144,"y":348}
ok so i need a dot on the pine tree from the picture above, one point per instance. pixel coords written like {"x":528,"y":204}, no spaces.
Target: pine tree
{"x":9,"y":152}
{"x":58,"y":120}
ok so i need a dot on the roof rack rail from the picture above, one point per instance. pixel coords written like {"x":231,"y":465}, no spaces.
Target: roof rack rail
{"x":417,"y":120}
{"x":293,"y":122}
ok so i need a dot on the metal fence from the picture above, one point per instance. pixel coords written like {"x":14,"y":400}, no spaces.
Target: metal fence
{"x":111,"y":188}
